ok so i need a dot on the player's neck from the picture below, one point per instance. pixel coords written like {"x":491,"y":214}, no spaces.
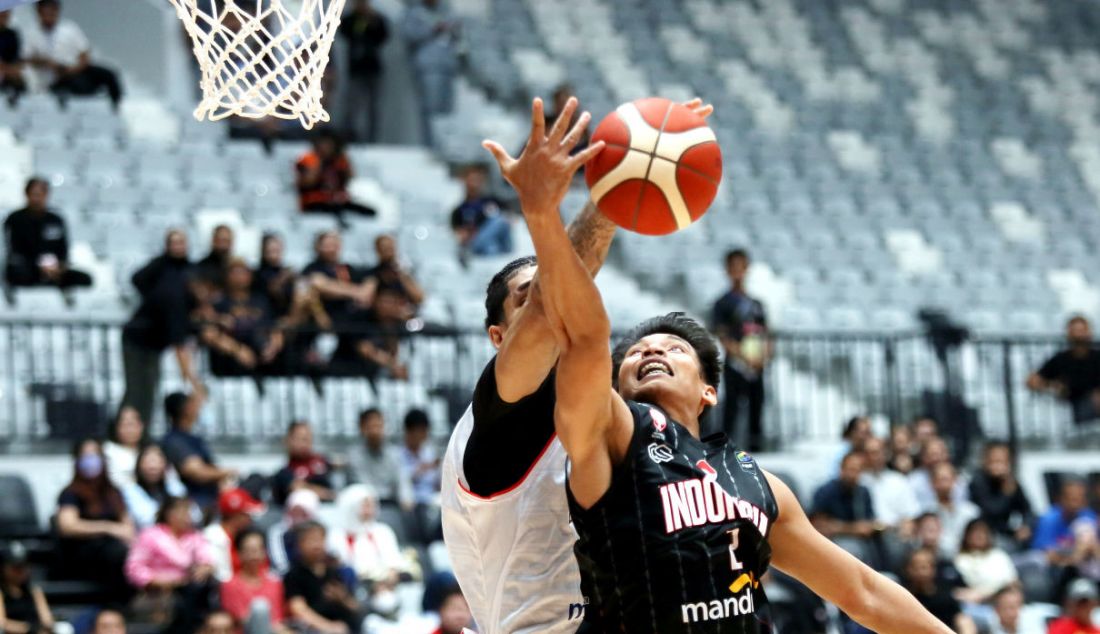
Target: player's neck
{"x":685,"y":416}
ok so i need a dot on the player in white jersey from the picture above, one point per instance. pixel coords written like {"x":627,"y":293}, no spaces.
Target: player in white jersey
{"x":505,"y":513}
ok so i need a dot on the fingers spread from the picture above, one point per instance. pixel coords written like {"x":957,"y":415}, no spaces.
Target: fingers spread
{"x":499,"y":153}
{"x":570,"y":141}
{"x":562,"y":122}
{"x":582,"y":157}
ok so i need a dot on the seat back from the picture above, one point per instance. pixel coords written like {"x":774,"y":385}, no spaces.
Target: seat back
{"x":18,"y":515}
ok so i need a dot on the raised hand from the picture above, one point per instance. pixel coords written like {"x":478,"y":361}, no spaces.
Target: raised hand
{"x":543,"y":172}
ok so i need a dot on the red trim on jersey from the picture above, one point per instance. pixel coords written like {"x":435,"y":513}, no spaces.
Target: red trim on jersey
{"x":515,"y":486}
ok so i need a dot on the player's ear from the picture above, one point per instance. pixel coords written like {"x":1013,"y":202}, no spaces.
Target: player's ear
{"x":710,"y":395}
{"x":496,"y":335}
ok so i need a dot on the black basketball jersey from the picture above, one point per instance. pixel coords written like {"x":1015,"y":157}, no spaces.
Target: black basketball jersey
{"x":678,"y":543}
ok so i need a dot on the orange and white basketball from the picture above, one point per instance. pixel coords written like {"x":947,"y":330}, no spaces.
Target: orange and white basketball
{"x":660,"y":168}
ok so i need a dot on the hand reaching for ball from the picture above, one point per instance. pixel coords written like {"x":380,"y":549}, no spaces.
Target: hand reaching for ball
{"x":544,"y":170}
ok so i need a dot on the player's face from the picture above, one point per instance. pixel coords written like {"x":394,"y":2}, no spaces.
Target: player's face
{"x":665,"y":370}
{"x":518,"y":288}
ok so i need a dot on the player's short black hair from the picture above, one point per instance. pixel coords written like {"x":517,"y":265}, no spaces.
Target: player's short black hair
{"x":35,"y":180}
{"x":497,"y":291}
{"x":417,"y":418}
{"x":737,"y":253}
{"x":679,"y":325}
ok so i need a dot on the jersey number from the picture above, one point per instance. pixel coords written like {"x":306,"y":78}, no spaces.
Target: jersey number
{"x":735,"y":541}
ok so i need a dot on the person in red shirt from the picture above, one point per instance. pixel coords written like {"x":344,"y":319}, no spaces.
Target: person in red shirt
{"x":254,"y":596}
{"x":323,"y":175}
{"x":1081,"y":600}
{"x":304,"y":469}
{"x":454,"y":613}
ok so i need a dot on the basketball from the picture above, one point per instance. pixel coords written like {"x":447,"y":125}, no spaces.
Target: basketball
{"x":660,"y":168}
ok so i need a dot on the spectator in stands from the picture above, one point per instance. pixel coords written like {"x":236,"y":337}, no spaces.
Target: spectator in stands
{"x":1007,"y":603}
{"x":160,"y":322}
{"x":60,"y":56}
{"x":295,"y":304}
{"x":390,"y":277}
{"x":369,"y":547}
{"x":1081,"y":601}
{"x":243,"y":339}
{"x":925,"y":429}
{"x":954,"y":513}
{"x":153,"y":486}
{"x":109,"y":622}
{"x":376,"y":463}
{"x":218,"y":622}
{"x":891,"y":496}
{"x":123,"y":443}
{"x":934,"y":452}
{"x":432,"y":33}
{"x":557,"y":103}
{"x":454,"y":613}
{"x":236,"y":507}
{"x":999,"y":496}
{"x":420,"y":463}
{"x":37,"y":244}
{"x":344,"y":290}
{"x":480,"y":222}
{"x":742,"y":326}
{"x":302,"y":506}
{"x":929,"y":534}
{"x":305,"y":468}
{"x":323,"y":175}
{"x":317,"y":596}
{"x":843,"y":512}
{"x":1054,"y":533}
{"x":1074,"y":373}
{"x":189,"y":453}
{"x":272,"y":277}
{"x":171,"y":559}
{"x":901,"y":450}
{"x":365,"y":30}
{"x":254,"y":597}
{"x":23,"y":605}
{"x":920,"y":579}
{"x":985,"y":569}
{"x":92,"y":523}
{"x":12,"y":83}
{"x":856,"y":432}
{"x":212,"y":269}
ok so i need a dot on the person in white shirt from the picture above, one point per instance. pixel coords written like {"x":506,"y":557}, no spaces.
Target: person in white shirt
{"x":122,"y":446}
{"x":236,"y":507}
{"x":368,"y":546}
{"x":59,"y":57}
{"x":984,"y":568}
{"x":153,"y":485}
{"x":893,"y":499}
{"x":954,"y":514}
{"x":933,"y":453}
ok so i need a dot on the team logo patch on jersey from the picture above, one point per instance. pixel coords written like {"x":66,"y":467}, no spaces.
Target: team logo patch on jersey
{"x":659,"y":420}
{"x":744,"y":460}
{"x":659,"y":453}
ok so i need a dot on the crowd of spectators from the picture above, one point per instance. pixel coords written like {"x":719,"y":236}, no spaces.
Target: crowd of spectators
{"x":967,"y":544}
{"x":184,"y":543}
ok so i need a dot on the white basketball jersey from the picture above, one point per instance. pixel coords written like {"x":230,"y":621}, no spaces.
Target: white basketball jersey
{"x":513,"y":553}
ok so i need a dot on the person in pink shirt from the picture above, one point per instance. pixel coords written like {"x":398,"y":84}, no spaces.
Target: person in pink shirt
{"x":171,"y":562}
{"x":254,"y":596}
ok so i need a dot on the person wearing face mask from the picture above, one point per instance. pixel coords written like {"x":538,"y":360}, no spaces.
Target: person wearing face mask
{"x":1073,"y":374}
{"x":93,"y":524}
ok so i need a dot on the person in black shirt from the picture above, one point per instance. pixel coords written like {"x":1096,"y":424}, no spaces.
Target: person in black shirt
{"x":742,"y":326}
{"x":999,"y":496}
{"x":842,"y":511}
{"x":160,"y":322}
{"x":23,"y":606}
{"x":1073,"y":374}
{"x":479,"y":221}
{"x":212,"y":268}
{"x":674,"y":530}
{"x":920,"y":579}
{"x":11,"y":62}
{"x":365,"y":31}
{"x":243,"y":340}
{"x":390,"y":275}
{"x":37,"y":244}
{"x":305,"y":468}
{"x":317,"y":596}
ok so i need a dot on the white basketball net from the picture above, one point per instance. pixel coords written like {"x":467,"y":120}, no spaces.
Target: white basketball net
{"x":261,"y":58}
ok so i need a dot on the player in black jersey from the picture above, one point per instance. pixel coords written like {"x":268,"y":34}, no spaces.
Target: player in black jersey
{"x":675,"y":531}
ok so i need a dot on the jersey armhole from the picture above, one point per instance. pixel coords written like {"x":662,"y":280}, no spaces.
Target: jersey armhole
{"x":617,"y":470}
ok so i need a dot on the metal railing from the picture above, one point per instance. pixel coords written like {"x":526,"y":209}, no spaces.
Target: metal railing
{"x":65,"y":378}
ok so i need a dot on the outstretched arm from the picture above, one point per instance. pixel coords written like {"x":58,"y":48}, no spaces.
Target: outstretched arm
{"x":836,"y":576}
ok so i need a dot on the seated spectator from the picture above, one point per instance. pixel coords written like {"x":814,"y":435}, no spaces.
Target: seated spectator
{"x":282,"y":543}
{"x":480,"y":222}
{"x":933,"y":453}
{"x":925,"y":429}
{"x":323,"y":175}
{"x":1054,"y":533}
{"x":1007,"y":604}
{"x":153,"y":487}
{"x":37,"y":243}
{"x":999,"y":496}
{"x":305,"y":468}
{"x":985,"y":569}
{"x":893,"y":499}
{"x":254,"y":597}
{"x":23,"y":605}
{"x":273,"y":278}
{"x":454,"y":613}
{"x":109,"y":622}
{"x":420,"y":464}
{"x":920,"y":579}
{"x":12,"y":84}
{"x":901,"y":452}
{"x":189,"y":453}
{"x":843,"y":512}
{"x":295,"y":304}
{"x":954,"y":514}
{"x":389,"y":275}
{"x":557,"y":103}
{"x":171,"y":562}
{"x":929,"y":535}
{"x":213,"y":268}
{"x":243,"y":339}
{"x":318,"y":598}
{"x":218,"y":622}
{"x":60,"y":56}
{"x":160,"y":322}
{"x":1074,"y":373}
{"x":94,"y":528}
{"x":123,"y":443}
{"x":856,"y":432}
{"x":376,"y":463}
{"x":236,"y":507}
{"x":1081,"y":601}
{"x":370,"y":547}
